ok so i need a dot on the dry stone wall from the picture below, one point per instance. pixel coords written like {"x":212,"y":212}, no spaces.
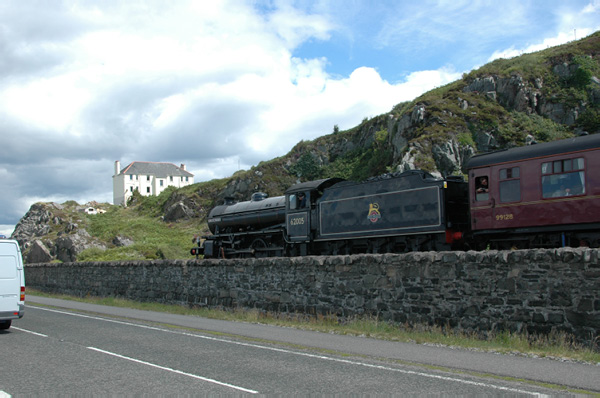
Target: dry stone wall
{"x":534,"y":291}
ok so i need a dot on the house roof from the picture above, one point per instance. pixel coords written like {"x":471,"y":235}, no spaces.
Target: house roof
{"x":160,"y":170}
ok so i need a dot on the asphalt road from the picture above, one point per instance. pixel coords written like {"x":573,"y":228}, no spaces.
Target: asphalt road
{"x":64,"y":347}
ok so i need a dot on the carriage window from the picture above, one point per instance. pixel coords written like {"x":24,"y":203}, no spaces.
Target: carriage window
{"x":563,"y":178}
{"x":510,"y":185}
{"x":546,"y":169}
{"x":558,"y":167}
{"x":481,"y":188}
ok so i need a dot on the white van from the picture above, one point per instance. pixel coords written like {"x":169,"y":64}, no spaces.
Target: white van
{"x":12,"y":283}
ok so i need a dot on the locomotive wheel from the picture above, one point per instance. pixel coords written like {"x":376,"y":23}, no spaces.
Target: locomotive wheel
{"x":258,"y":246}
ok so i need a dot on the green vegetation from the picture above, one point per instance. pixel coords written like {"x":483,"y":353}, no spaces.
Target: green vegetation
{"x":307,"y":167}
{"x":558,"y":345}
{"x":466,"y":139}
{"x":153,"y":238}
{"x":361,"y":162}
{"x":587,"y":67}
{"x":544,"y":130}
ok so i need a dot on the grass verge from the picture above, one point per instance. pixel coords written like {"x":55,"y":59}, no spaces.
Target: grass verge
{"x":556,"y":346}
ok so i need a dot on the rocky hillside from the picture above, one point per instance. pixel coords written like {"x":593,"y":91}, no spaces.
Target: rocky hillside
{"x":540,"y":97}
{"x":51,"y":231}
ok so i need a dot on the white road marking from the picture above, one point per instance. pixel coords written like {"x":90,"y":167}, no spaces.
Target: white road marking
{"x":322,"y":357}
{"x":173,"y":370}
{"x":28,"y":331}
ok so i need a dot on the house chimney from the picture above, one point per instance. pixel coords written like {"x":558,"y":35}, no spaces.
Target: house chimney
{"x":182,"y":166}
{"x":117,"y":167}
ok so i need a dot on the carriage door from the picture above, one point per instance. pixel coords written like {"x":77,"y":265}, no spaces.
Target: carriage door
{"x":481,"y":194}
{"x":298,"y":217}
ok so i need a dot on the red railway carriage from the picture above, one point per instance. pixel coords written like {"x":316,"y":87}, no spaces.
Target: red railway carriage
{"x":539,"y":195}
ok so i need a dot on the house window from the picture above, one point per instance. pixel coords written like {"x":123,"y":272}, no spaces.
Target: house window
{"x":161,"y":183}
{"x":563,"y":178}
{"x":147,"y":178}
{"x":130,"y":189}
{"x":510,"y":185}
{"x":171,"y":177}
{"x":187,"y":179}
{"x":131,"y":177}
{"x":147,"y":189}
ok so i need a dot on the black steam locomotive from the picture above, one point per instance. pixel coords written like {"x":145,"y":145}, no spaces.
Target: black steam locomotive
{"x":545,"y":195}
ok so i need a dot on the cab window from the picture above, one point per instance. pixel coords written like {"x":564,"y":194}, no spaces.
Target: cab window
{"x":297,"y":201}
{"x":301,"y":200}
{"x":292,"y":202}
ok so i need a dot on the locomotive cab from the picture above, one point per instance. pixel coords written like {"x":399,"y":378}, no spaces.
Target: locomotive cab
{"x":301,"y":204}
{"x":298,"y":216}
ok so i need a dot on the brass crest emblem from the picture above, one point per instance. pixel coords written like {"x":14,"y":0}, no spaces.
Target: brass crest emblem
{"x":374,"y":214}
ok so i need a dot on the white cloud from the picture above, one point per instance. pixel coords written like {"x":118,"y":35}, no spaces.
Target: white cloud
{"x":572,"y":23}
{"x":295,"y":26}
{"x":561,"y":38}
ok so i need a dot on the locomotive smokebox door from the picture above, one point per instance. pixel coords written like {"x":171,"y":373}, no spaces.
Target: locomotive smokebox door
{"x":298,"y":219}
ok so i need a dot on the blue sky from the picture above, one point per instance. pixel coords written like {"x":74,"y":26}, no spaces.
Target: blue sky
{"x":399,"y":37}
{"x":219,"y":85}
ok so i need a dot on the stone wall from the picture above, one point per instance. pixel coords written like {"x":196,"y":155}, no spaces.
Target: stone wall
{"x":536,"y":291}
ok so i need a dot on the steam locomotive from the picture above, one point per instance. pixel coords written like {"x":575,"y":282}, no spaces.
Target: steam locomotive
{"x":543,"y":195}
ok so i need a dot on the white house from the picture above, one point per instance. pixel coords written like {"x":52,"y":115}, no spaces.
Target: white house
{"x":149,"y":178}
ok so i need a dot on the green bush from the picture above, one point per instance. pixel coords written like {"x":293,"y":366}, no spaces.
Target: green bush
{"x":590,"y":120}
{"x":306,"y":167}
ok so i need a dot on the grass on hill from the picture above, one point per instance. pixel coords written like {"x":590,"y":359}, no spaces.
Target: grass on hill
{"x":152,"y":237}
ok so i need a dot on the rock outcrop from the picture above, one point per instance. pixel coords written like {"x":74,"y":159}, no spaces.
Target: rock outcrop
{"x":512,"y":93}
{"x":38,"y":253}
{"x":178,"y":211}
{"x":68,"y":247}
{"x":37,"y":222}
{"x":450,"y":157}
{"x":50,"y":231}
{"x":515,"y":94}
